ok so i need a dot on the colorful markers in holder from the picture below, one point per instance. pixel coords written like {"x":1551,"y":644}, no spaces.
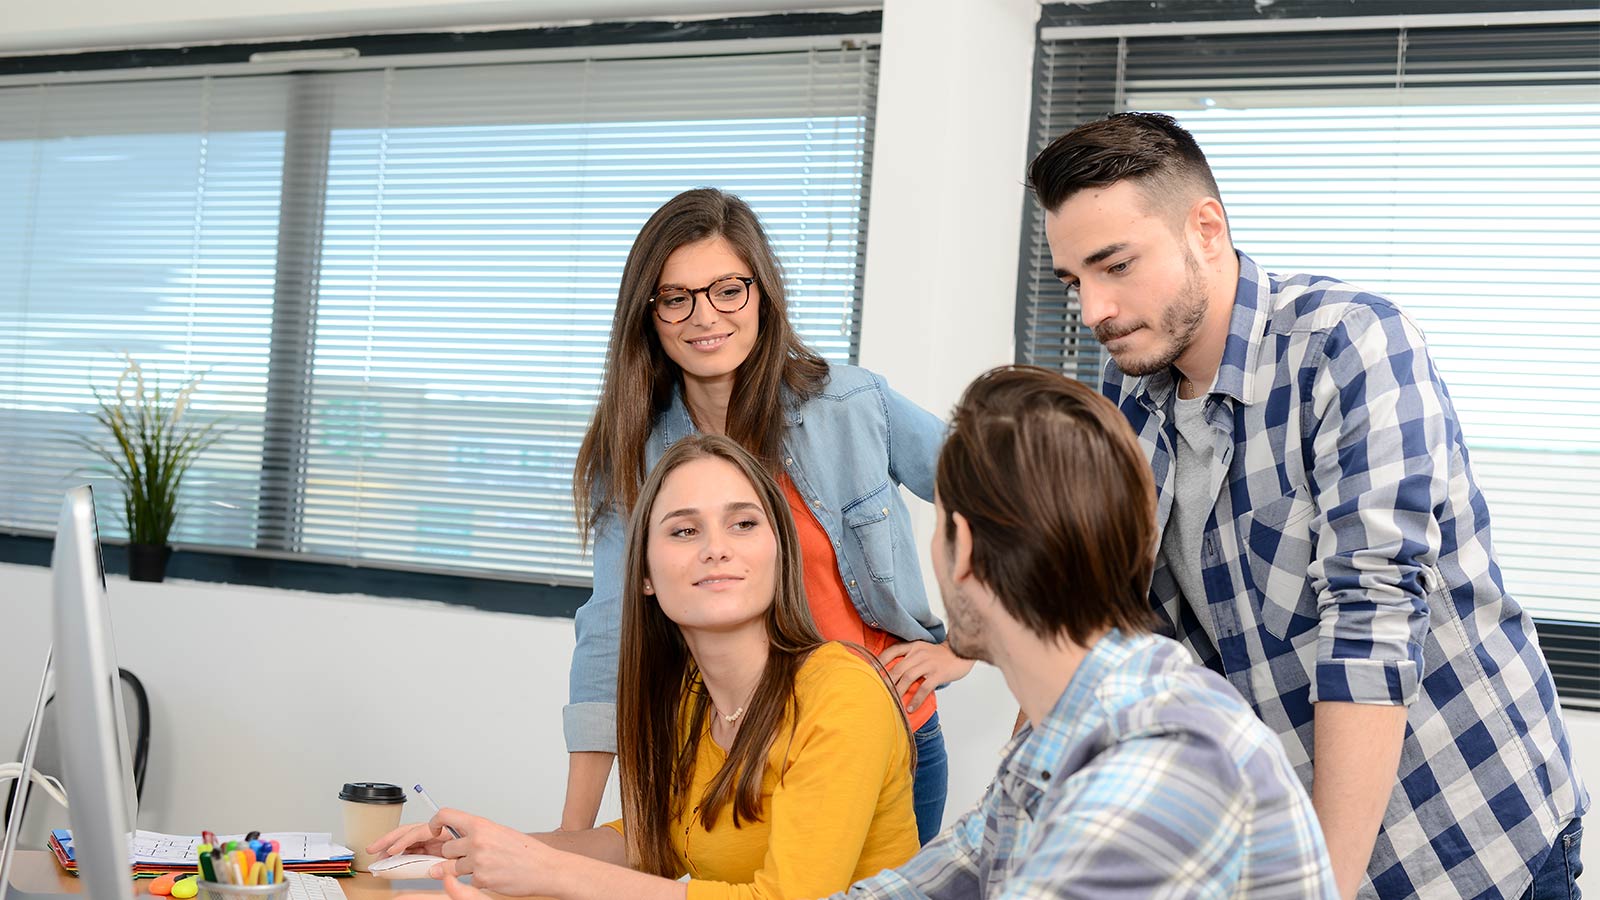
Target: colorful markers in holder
{"x":247,"y":863}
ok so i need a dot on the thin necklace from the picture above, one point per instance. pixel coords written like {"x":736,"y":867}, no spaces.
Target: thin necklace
{"x":731,"y":717}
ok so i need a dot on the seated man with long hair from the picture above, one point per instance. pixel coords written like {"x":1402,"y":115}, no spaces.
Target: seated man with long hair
{"x":756,"y":758}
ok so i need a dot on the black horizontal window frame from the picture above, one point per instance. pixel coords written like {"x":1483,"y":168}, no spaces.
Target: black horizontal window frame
{"x":273,"y":567}
{"x":1572,"y":649}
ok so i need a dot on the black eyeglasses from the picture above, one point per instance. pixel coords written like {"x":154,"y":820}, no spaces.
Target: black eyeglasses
{"x":726,"y":295}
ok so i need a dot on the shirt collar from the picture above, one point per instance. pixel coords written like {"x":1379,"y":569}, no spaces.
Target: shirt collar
{"x":1036,"y":753}
{"x":1247,"y":325}
{"x":676,"y":423}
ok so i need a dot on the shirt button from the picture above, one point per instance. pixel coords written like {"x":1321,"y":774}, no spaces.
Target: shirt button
{"x":817,"y":503}
{"x":1045,"y":775}
{"x":852,"y":582}
{"x":788,"y":461}
{"x":886,"y":510}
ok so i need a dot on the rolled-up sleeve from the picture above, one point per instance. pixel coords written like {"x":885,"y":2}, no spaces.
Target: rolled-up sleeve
{"x":1381,"y":448}
{"x":589,"y":719}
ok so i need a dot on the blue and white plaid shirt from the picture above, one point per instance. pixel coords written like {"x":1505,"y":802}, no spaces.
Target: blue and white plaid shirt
{"x":1149,"y":779}
{"x":1348,"y":559}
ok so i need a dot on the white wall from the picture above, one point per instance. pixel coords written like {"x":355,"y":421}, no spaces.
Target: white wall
{"x":476,"y":696}
{"x":954,"y":90}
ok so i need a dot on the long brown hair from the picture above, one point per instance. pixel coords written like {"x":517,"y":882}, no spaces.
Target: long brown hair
{"x":640,"y":378}
{"x":661,"y":704}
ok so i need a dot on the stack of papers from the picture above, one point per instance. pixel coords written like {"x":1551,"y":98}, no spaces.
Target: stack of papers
{"x":153,"y":853}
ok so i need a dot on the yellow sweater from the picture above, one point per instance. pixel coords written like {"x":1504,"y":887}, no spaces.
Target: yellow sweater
{"x":842,"y":811}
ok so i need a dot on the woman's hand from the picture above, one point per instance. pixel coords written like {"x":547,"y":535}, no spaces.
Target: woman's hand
{"x":933,"y":664}
{"x":419,"y":838}
{"x":498,"y":858}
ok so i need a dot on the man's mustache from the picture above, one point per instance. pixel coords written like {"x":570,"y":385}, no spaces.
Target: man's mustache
{"x":1106,"y":332}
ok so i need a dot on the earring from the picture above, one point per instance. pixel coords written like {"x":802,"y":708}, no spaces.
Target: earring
{"x":649,"y":588}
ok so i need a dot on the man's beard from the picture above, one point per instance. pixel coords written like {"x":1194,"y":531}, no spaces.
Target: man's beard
{"x":965,"y":632}
{"x":1180,"y":320}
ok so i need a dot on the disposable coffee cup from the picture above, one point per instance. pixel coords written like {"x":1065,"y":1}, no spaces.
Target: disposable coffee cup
{"x":371,"y":810}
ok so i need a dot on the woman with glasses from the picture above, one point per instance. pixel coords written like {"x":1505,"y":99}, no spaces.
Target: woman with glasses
{"x":701,"y":343}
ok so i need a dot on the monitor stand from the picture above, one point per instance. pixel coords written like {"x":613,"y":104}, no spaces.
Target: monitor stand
{"x":30,"y":748}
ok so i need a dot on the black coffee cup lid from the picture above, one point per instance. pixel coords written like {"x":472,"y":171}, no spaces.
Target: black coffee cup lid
{"x":372,"y":792}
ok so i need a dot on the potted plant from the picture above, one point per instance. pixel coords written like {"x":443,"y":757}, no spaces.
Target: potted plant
{"x":151,"y":447}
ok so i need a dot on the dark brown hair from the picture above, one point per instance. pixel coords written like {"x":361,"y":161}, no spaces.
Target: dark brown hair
{"x":661,"y":704}
{"x":1060,"y":500}
{"x":1150,"y":149}
{"x":640,"y":378}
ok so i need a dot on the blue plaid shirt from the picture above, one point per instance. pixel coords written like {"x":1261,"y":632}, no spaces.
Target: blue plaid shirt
{"x":1348,"y":559}
{"x":1149,"y":778}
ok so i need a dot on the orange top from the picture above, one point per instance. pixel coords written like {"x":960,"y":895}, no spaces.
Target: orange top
{"x":835,"y":615}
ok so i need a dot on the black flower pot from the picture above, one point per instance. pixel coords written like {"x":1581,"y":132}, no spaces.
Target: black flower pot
{"x":148,"y":562}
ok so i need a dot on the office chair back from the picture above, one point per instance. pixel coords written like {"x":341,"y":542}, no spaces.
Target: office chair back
{"x":43,"y":812}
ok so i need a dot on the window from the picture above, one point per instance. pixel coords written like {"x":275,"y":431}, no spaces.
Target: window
{"x":1451,"y":168}
{"x":397,"y":280}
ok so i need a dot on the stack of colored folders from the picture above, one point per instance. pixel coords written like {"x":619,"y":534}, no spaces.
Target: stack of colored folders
{"x":154,"y":854}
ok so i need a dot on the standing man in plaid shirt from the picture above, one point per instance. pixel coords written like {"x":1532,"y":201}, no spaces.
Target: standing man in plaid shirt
{"x":1323,"y":544}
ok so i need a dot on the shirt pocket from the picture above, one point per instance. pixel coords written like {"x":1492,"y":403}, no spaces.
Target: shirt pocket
{"x":871,"y":528}
{"x":1277,"y":548}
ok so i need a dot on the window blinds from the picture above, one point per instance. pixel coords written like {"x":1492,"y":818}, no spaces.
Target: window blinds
{"x":1455,"y":170}
{"x":399,"y":281}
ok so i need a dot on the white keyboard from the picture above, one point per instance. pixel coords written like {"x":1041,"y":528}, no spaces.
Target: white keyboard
{"x":313,"y":887}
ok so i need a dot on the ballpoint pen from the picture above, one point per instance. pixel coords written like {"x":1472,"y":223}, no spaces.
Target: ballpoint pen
{"x":419,"y":790}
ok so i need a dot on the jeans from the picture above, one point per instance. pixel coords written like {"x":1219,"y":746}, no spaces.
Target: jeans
{"x":931,"y":781}
{"x":1557,"y":879}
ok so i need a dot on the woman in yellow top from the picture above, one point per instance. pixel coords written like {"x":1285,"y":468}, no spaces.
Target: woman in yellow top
{"x":756,"y":758}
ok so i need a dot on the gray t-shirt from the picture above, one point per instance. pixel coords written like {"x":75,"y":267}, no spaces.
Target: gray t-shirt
{"x":1192,"y":499}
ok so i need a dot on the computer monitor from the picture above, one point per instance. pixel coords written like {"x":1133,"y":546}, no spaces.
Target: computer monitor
{"x":96,"y":763}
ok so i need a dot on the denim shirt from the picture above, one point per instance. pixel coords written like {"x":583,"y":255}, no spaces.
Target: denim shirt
{"x":846,"y":450}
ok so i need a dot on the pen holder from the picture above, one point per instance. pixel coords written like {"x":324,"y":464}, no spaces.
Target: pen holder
{"x":209,"y":890}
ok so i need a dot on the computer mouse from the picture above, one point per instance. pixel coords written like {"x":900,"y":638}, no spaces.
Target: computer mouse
{"x":406,"y":865}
